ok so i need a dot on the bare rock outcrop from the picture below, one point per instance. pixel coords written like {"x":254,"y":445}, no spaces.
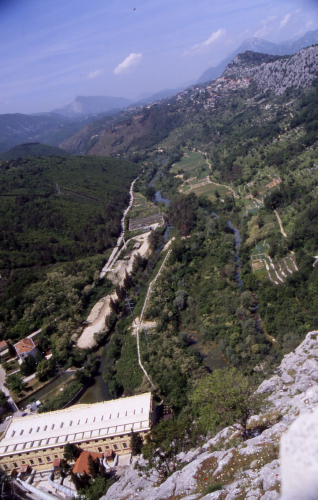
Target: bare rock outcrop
{"x":297,"y":71}
{"x":243,"y":470}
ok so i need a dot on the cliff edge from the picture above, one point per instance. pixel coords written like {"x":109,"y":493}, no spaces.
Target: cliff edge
{"x":242,"y":470}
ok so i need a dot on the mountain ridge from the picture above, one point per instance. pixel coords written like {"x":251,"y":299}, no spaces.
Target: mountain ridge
{"x":92,"y":105}
{"x":262,"y":46}
{"x":159,"y":119}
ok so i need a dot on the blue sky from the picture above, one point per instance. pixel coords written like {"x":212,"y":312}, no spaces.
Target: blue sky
{"x":54,"y":50}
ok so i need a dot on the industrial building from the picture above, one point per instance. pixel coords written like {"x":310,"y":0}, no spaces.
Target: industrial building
{"x":39,"y":439}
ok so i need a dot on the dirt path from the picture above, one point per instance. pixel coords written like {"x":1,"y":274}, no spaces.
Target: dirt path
{"x":117,"y":273}
{"x":97,"y":319}
{"x":115,"y":252}
{"x":280,"y":224}
{"x":227,"y":187}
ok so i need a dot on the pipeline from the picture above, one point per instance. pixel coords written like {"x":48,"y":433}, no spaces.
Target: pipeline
{"x":105,"y":464}
{"x":67,"y":491}
{"x":40,"y":494}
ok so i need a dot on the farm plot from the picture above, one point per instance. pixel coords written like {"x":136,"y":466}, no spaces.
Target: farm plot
{"x":252,"y":207}
{"x":143,"y":223}
{"x":143,"y":214}
{"x":276,"y":270}
{"x":193,"y":164}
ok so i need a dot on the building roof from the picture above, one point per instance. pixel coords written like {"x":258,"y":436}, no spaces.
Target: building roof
{"x":3,"y":344}
{"x":81,"y":464}
{"x":77,"y":424}
{"x":24,"y":346}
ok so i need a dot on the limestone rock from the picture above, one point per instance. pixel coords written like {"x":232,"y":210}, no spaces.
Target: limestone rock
{"x":299,"y":452}
{"x":255,"y":465}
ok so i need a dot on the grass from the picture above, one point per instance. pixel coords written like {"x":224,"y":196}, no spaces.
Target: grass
{"x":12,"y":366}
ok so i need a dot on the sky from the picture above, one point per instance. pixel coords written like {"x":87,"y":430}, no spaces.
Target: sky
{"x":54,"y":50}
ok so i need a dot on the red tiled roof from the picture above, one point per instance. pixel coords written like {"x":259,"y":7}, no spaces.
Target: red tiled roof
{"x":81,"y":464}
{"x":24,"y":345}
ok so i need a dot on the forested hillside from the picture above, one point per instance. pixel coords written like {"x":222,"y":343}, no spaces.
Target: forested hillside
{"x":32,"y":149}
{"x":55,"y":210}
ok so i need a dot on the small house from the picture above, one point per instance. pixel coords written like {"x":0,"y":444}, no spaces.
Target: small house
{"x":25,"y":347}
{"x":81,"y":464}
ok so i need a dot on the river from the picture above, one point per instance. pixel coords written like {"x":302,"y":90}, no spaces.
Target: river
{"x":98,"y":391}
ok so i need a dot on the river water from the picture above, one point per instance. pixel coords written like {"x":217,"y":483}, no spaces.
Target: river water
{"x":98,"y":391}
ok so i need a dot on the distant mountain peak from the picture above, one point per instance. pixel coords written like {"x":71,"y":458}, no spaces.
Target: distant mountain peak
{"x":92,"y":105}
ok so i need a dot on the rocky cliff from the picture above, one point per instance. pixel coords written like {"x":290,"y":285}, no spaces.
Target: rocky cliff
{"x":242,"y":470}
{"x":289,"y":71}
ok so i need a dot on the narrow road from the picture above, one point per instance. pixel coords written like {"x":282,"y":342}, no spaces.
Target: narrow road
{"x":141,"y":315}
{"x":221,"y":185}
{"x":150,"y":286}
{"x":114,"y":255}
{"x":280,"y":224}
{"x":6,"y":390}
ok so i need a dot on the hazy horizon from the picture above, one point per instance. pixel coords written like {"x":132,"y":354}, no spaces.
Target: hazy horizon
{"x":55,"y":51}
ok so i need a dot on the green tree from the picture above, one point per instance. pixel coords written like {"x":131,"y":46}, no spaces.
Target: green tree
{"x":71,"y":452}
{"x":3,"y":399}
{"x":28,"y":366}
{"x":15,"y":383}
{"x":93,"y":466}
{"x":96,"y":488}
{"x":150,"y":193}
{"x":11,"y":349}
{"x":4,"y":364}
{"x":76,"y":481}
{"x":223,"y":398}
{"x":46,"y":369}
{"x":163,"y":444}
{"x":136,"y":443}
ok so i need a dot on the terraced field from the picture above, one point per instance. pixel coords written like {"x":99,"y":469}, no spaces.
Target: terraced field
{"x":276,"y":270}
{"x":143,"y":214}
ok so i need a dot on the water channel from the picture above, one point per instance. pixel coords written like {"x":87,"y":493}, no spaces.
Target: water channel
{"x":98,"y":391}
{"x":44,"y":393}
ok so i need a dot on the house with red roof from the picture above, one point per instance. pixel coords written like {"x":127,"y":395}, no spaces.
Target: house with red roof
{"x":81,"y":464}
{"x":25,"y":347}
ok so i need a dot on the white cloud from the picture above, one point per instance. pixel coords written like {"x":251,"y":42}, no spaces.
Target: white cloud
{"x":267,"y":27}
{"x":130,"y":62}
{"x":94,"y":74}
{"x":284,"y":21}
{"x":202,"y":47}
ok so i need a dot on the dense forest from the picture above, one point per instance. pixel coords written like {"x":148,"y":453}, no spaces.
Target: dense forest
{"x":56,"y":210}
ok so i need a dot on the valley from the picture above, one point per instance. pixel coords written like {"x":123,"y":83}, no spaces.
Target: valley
{"x":196,"y":216}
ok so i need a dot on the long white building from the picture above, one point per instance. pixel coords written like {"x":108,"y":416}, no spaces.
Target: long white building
{"x":38,"y":439}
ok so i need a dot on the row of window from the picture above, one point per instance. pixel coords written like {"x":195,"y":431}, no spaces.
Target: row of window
{"x":40,"y":461}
